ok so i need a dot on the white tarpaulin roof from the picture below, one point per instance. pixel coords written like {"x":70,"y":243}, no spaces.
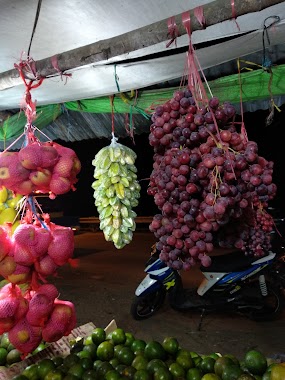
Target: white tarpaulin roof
{"x":68,"y":24}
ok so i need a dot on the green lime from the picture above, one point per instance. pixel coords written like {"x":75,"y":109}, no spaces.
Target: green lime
{"x":118,"y":336}
{"x":154,"y":365}
{"x":220,"y":364}
{"x":120,"y":368}
{"x":97,"y":364}
{"x":185,"y":361}
{"x":194,"y":374}
{"x":40,"y":347}
{"x":44,"y":367}
{"x":246,"y":376}
{"x":20,"y":377}
{"x":88,"y":340}
{"x":142,"y":374}
{"x":129,"y":339}
{"x":210,"y":376}
{"x":105,"y":351}
{"x":162,"y":374}
{"x":207,"y":365}
{"x":76,"y":370}
{"x":194,"y":354}
{"x":126,"y":356}
{"x":231,"y":372}
{"x":55,"y":374}
{"x":103,"y":369}
{"x":3,"y":356}
{"x":177,"y":371}
{"x":113,"y":374}
{"x":90,"y":374}
{"x":138,"y":345}
{"x":154,"y":350}
{"x":170,"y":345}
{"x":70,"y":360}
{"x":58,"y":360}
{"x":91,"y":349}
{"x":84,"y":354}
{"x":129,"y":372}
{"x":255,"y":362}
{"x":4,"y":342}
{"x":86,"y":363}
{"x":139,"y":362}
{"x":98,"y":335}
{"x":31,"y":372}
{"x":114,"y":362}
{"x":233,"y":358}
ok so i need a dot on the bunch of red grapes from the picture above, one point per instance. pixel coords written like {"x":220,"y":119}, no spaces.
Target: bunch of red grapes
{"x":206,"y":178}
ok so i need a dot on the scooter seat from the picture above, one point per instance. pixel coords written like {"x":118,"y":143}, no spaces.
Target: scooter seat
{"x":229,"y":262}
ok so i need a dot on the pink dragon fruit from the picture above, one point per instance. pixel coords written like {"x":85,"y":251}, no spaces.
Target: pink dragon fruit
{"x":62,"y":245}
{"x":30,"y":156}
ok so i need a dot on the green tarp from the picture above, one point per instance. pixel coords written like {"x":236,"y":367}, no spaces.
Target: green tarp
{"x":254,"y":87}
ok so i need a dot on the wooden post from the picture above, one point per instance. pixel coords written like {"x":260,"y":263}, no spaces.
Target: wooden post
{"x":215,"y":12}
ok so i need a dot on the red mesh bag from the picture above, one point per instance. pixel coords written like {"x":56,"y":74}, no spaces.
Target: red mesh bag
{"x":49,"y":290}
{"x":30,"y":156}
{"x":62,"y":245}
{"x":43,"y":239}
{"x":20,"y":275}
{"x":25,"y":337}
{"x":5,"y":243}
{"x":40,"y":307}
{"x":61,"y":322}
{"x":22,"y":255}
{"x":9,"y":300}
{"x":49,"y":155}
{"x":45,"y":266}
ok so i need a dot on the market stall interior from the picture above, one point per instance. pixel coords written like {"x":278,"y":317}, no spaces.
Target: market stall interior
{"x":160,"y":121}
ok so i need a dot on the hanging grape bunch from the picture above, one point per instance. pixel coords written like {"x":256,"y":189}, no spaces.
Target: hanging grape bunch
{"x":206,"y":176}
{"x":116,"y":192}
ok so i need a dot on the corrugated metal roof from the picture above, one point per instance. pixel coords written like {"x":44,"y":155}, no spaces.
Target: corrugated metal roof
{"x":77,"y":126}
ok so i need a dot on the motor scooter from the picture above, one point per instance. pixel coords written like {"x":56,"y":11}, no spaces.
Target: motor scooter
{"x":232,"y":283}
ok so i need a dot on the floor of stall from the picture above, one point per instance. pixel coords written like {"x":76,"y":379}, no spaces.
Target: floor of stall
{"x":102,"y":288}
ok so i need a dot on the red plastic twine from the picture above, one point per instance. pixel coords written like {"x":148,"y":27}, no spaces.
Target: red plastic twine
{"x":29,"y":106}
{"x":194,"y":80}
{"x":234,"y":15}
{"x":54,"y":62}
{"x":173,"y":31}
{"x":199,"y":14}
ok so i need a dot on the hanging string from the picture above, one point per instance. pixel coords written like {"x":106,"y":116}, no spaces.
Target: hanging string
{"x":112,"y":113}
{"x":266,"y":63}
{"x":234,"y":15}
{"x":35,"y":25}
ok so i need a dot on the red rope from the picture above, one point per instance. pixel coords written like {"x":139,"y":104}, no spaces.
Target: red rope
{"x":199,"y":14}
{"x":234,"y":14}
{"x":173,"y":31}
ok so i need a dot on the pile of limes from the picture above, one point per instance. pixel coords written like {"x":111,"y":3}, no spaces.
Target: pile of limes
{"x":120,"y":356}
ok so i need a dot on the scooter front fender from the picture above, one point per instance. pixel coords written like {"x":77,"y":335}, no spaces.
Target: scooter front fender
{"x":148,"y":285}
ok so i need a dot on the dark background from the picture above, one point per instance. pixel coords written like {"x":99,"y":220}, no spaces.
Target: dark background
{"x":270,"y":139}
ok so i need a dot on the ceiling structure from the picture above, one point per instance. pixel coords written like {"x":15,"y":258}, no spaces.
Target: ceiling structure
{"x":70,"y":24}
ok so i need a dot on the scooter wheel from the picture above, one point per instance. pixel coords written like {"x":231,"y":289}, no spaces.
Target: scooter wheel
{"x":145,"y":306}
{"x":273,"y":305}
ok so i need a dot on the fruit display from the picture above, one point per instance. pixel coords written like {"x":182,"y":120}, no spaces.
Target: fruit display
{"x":116,"y":192}
{"x":208,"y":181}
{"x":45,"y":167}
{"x":9,"y":207}
{"x":30,"y":310}
{"x":120,"y":355}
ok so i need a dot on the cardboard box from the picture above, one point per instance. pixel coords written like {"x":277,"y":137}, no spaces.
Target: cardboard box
{"x":59,"y":348}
